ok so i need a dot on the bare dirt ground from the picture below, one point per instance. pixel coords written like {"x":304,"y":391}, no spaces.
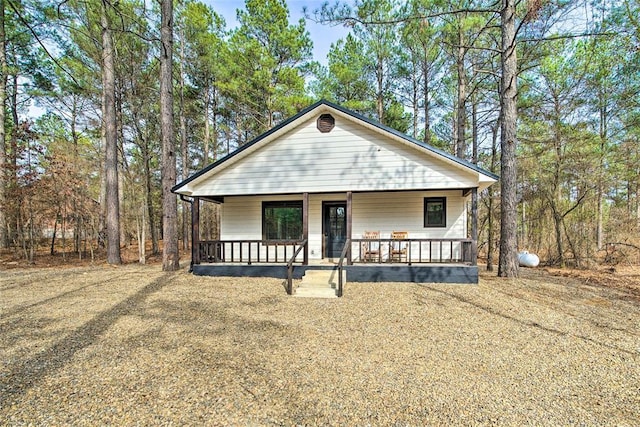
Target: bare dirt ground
{"x":64,"y":257}
{"x":131,"y":345}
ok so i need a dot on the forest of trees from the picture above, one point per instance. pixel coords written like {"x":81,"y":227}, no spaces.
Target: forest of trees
{"x":84,"y":132}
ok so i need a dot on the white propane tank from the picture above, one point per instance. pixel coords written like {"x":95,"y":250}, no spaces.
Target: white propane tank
{"x":526,"y":259}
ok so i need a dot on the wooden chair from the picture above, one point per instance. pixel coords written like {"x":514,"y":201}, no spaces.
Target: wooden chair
{"x":370,"y":250}
{"x":398,"y":246}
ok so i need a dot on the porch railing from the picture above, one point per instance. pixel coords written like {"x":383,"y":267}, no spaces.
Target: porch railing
{"x":383,"y":250}
{"x":250,"y":251}
{"x":410,"y":251}
{"x":290,"y":267}
{"x":344,"y":255}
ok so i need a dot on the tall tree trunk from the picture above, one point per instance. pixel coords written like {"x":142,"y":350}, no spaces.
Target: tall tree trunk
{"x":379,"y":94}
{"x":600,"y":189}
{"x":102,"y":217}
{"x":12,"y":152}
{"x":170,"y":253}
{"x":111,"y":140}
{"x":490,"y":227}
{"x":426,"y":94}
{"x":155,"y":247}
{"x":214,"y":121}
{"x":474,"y":129}
{"x":461,"y":146}
{"x":556,"y":194}
{"x":124,"y":224}
{"x":183,"y":149}
{"x":27,"y":196}
{"x":508,"y":260}
{"x":4,"y":235}
{"x":77,"y":217}
{"x":52,"y":248}
{"x":141,"y":227}
{"x":207,"y":129}
{"x":638,"y":201}
{"x":415,"y":83}
{"x":557,"y":227}
{"x":474,"y":160}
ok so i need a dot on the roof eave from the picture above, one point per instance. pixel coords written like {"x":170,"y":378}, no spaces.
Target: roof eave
{"x":453,"y":159}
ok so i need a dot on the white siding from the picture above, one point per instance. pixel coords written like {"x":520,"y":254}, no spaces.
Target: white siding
{"x":351,"y":157}
{"x":384,"y":212}
{"x":241,"y":219}
{"x":404,"y":211}
{"x":242,"y":216}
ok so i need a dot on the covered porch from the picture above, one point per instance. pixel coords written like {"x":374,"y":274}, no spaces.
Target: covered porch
{"x":335,"y":232}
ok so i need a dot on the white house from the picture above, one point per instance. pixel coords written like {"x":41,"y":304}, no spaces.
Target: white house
{"x":329,"y":182}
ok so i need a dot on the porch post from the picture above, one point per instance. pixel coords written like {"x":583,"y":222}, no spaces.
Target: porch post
{"x":474,"y":226}
{"x":195,"y":231}
{"x":305,"y":226}
{"x":349,"y":224}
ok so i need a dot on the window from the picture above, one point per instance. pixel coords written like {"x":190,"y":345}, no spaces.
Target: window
{"x":435,"y":212}
{"x":282,"y":220}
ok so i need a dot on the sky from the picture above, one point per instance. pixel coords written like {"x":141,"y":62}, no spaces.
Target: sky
{"x":321,"y":35}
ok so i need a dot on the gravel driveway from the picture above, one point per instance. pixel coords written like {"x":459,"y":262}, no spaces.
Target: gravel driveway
{"x":136,"y":346}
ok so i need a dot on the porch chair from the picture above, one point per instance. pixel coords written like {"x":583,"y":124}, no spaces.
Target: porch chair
{"x":398,"y":246}
{"x":370,"y":250}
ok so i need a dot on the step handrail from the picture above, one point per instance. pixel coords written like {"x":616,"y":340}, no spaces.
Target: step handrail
{"x":343,"y":255}
{"x":303,"y":244}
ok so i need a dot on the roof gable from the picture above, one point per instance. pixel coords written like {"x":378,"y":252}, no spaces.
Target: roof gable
{"x":358,"y":155}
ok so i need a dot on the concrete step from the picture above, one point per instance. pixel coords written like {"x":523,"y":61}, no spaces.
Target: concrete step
{"x":321,"y":278}
{"x":315,"y":293}
{"x":319,"y":284}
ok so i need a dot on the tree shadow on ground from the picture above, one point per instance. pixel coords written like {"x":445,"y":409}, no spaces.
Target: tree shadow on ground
{"x":25,"y":374}
{"x":16,"y":310}
{"x":494,"y":311}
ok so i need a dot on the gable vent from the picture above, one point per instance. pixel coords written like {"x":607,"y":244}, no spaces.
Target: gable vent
{"x":326,"y":122}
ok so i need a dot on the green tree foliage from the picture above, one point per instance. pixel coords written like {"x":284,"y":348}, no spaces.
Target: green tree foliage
{"x":419,"y":66}
{"x":265,"y":79}
{"x":204,"y":56}
{"x":363,"y":68}
{"x":426,"y":67}
{"x":558,"y":139}
{"x":576,"y":128}
{"x":343,"y":81}
{"x":25,"y":68}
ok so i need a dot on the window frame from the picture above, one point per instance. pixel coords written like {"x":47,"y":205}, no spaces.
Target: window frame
{"x":281,"y":204}
{"x":429,"y":200}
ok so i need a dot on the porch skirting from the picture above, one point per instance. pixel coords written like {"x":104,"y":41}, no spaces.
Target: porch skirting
{"x":454,"y":273}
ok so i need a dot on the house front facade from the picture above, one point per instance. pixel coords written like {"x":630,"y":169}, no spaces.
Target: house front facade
{"x":328,"y":184}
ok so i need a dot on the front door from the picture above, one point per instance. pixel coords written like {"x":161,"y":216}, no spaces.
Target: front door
{"x":334,"y":228}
